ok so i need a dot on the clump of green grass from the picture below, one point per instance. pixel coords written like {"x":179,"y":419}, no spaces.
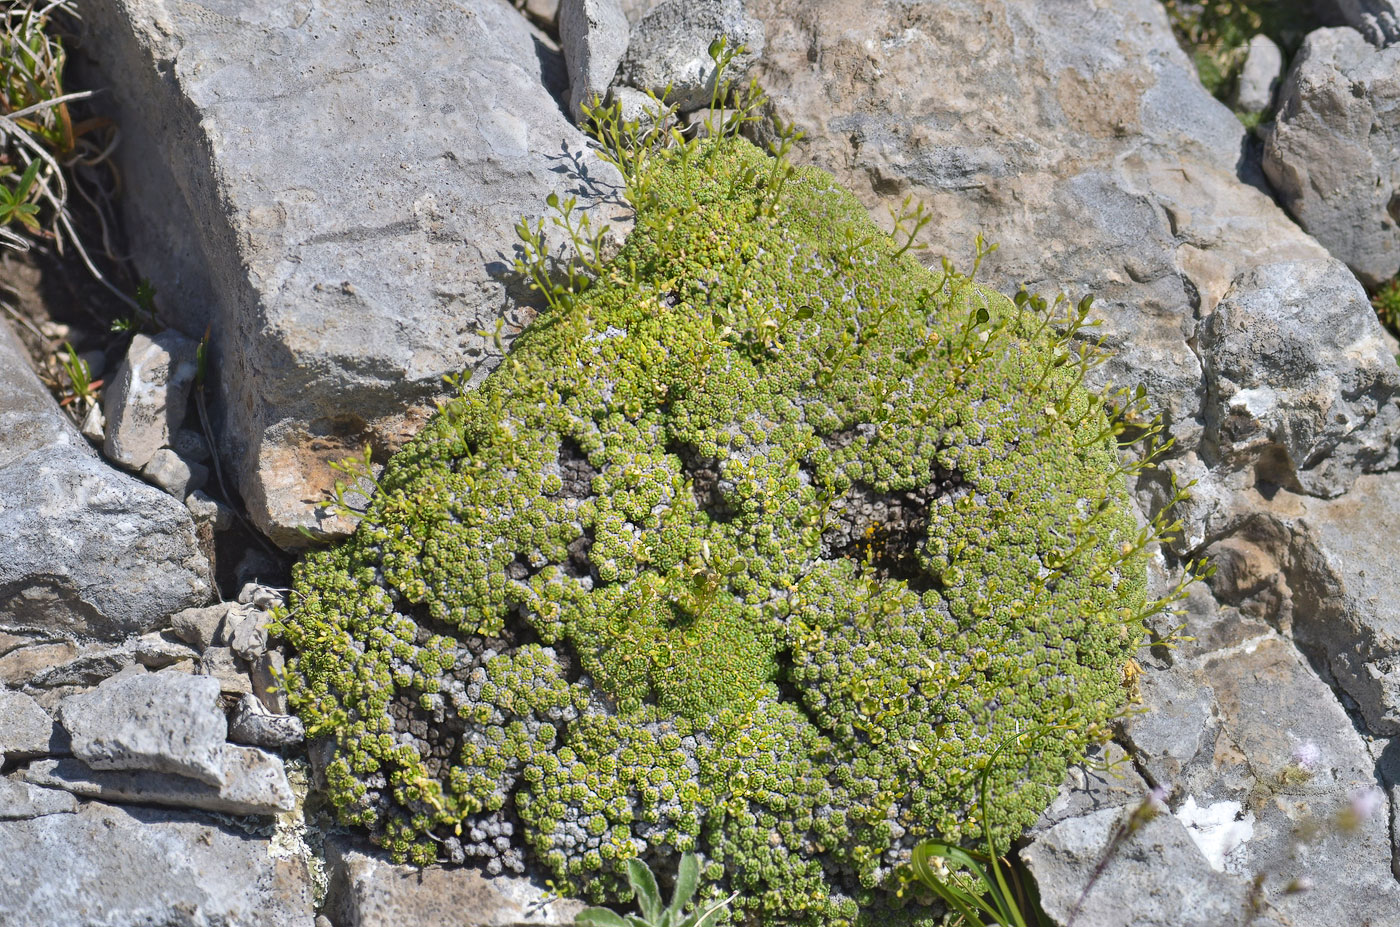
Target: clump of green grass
{"x":41,"y":142}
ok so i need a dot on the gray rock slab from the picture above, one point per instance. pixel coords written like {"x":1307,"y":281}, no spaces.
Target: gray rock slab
{"x":594,"y":35}
{"x":247,"y":630}
{"x":366,"y":890}
{"x":161,"y":722}
{"x":224,"y":666}
{"x":26,"y":729}
{"x":1300,"y":382}
{"x":1263,"y":68}
{"x":251,"y":723}
{"x":1107,"y":778}
{"x":669,"y":53}
{"x":113,"y":866}
{"x":20,"y":666}
{"x":1333,"y":150}
{"x":88,"y":550}
{"x":173,"y":473}
{"x":1076,"y":136}
{"x":145,"y":402}
{"x":1266,"y":770}
{"x":334,"y":188}
{"x":201,"y":627}
{"x":1153,"y":876}
{"x":256,"y":784}
{"x":1338,"y":588}
{"x":88,"y":667}
{"x":20,"y":800}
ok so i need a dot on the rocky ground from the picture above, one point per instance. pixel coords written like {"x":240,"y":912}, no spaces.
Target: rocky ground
{"x":330,"y":192}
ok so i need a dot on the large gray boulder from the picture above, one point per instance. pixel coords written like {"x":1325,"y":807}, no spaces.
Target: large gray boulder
{"x":334,"y":191}
{"x":142,"y":866}
{"x":87,"y":549}
{"x":1333,"y":152}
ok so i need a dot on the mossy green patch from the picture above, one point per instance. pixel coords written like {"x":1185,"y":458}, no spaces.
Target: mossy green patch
{"x":767,"y":545}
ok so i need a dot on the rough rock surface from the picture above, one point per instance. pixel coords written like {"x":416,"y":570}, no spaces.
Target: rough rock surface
{"x":1333,"y":151}
{"x":143,"y":866}
{"x":347,"y":227}
{"x":1263,"y":68}
{"x":1324,"y":570}
{"x":251,"y":723}
{"x":87,"y":549}
{"x":366,"y":891}
{"x":1299,"y":379}
{"x":594,"y":36}
{"x":256,"y":784}
{"x":20,"y":800}
{"x":1064,"y":859}
{"x":670,"y":48}
{"x":25,"y":728}
{"x":146,"y":402}
{"x":163,"y":722}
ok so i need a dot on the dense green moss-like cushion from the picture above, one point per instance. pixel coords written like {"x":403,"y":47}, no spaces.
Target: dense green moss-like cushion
{"x":763,"y":546}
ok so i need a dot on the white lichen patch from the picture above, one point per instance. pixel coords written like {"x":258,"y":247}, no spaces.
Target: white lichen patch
{"x":1218,"y":830}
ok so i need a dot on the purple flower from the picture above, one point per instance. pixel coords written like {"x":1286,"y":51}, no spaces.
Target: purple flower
{"x":1307,"y":755}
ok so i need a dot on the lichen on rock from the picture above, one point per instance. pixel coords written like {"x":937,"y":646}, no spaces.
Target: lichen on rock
{"x":767,"y":544}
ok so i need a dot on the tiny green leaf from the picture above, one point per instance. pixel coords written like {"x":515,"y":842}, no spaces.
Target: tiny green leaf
{"x":600,"y":917}
{"x":644,"y":884}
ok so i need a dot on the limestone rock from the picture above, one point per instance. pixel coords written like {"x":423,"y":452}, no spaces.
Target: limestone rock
{"x":1262,"y":70}
{"x":223,"y":666}
{"x":366,"y":890}
{"x":25,"y":728}
{"x":1157,"y":877}
{"x":146,"y":401}
{"x":163,"y":722}
{"x":247,"y":630}
{"x":251,"y":723}
{"x":145,"y":866}
{"x":348,"y":229}
{"x":594,"y":36}
{"x":1324,"y":570}
{"x":202,"y":627}
{"x":20,"y":800}
{"x":256,"y":784}
{"x":1333,"y":152}
{"x":1300,"y":383}
{"x":670,"y":48}
{"x":174,"y":474}
{"x":88,"y":550}
{"x":1263,"y":761}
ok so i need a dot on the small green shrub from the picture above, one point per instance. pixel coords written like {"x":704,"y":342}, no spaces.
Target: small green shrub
{"x":765,"y":544}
